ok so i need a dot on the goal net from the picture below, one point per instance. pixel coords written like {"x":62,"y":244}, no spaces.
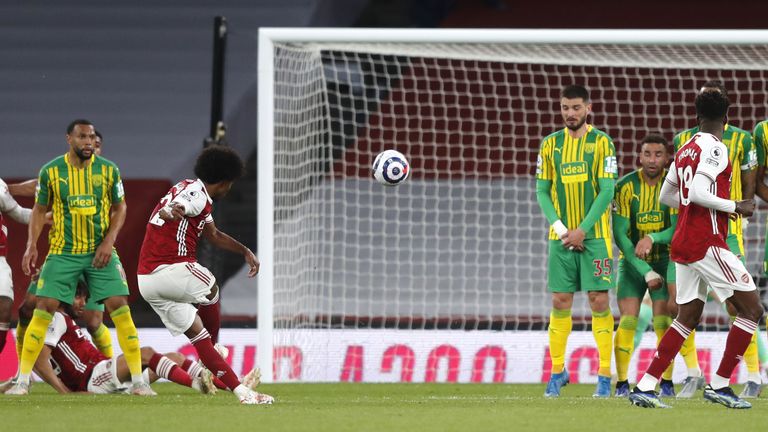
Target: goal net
{"x":443,"y":278}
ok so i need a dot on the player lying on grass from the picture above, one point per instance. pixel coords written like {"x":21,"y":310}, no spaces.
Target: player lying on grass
{"x":69,"y":362}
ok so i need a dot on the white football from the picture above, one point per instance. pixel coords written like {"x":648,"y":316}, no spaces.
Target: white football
{"x":391,"y":168}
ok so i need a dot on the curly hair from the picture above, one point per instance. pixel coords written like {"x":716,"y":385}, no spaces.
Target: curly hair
{"x":73,"y":123}
{"x":219,"y":163}
{"x":711,"y":105}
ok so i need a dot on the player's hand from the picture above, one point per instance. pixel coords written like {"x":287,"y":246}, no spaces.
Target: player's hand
{"x":29,"y":261}
{"x":102,"y":256}
{"x":643,"y":248}
{"x":49,"y":218}
{"x":654,"y":280}
{"x":745,"y":207}
{"x":253,"y":263}
{"x":574,"y":239}
{"x":174,"y":212}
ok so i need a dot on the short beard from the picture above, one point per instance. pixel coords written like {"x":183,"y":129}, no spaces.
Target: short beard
{"x":80,"y":154}
{"x":578,"y":125}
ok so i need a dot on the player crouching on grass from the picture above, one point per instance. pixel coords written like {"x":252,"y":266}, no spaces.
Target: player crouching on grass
{"x":170,"y":278}
{"x":69,"y":362}
{"x":699,"y":183}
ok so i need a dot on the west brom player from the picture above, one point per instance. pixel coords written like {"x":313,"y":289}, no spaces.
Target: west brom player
{"x":575,"y":179}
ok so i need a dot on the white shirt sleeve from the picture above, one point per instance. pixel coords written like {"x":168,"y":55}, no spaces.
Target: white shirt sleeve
{"x":699,"y":193}
{"x":56,"y":329}
{"x":193,"y":199}
{"x":10,"y":207}
{"x":714,"y":157}
{"x":712,"y":161}
{"x":669,"y":194}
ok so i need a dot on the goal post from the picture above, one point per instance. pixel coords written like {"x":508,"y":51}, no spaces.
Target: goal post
{"x":457,"y":253}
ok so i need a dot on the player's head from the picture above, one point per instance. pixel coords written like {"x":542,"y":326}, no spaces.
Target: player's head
{"x":218,"y":167}
{"x":97,"y":143}
{"x":76,"y":309}
{"x":654,"y":155}
{"x":712,"y":107}
{"x":714,"y":85}
{"x":575,"y":106}
{"x":80,"y":137}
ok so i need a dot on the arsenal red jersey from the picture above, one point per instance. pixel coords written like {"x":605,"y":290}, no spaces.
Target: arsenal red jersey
{"x":170,"y":242}
{"x":73,"y":356}
{"x":699,"y":228}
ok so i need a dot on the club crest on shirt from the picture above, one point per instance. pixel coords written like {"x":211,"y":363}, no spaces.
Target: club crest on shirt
{"x":98,"y":180}
{"x":589,"y":147}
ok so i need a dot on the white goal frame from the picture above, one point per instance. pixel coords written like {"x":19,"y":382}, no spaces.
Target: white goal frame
{"x":268,"y":37}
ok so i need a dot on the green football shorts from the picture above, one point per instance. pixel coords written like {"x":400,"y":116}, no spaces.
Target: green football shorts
{"x":90,"y":305}
{"x":631,"y":284}
{"x":571,"y":271}
{"x":60,"y":273}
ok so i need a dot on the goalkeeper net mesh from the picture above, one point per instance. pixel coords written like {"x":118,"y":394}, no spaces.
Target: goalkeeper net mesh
{"x":460,"y":245}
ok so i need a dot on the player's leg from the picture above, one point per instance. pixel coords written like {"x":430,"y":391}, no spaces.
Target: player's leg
{"x":691,"y":294}
{"x":197,"y":370}
{"x":751,"y":355}
{"x":688,"y":350}
{"x":6,"y":304}
{"x":562,"y":282}
{"x":728,"y":278}
{"x":630,"y":290}
{"x":57,"y":283}
{"x":94,"y":323}
{"x":6,"y":301}
{"x":201,"y":340}
{"x":596,"y":277}
{"x":108,"y":285}
{"x":210,"y":314}
{"x":644,"y":319}
{"x":25,"y":312}
{"x":171,"y":292}
{"x":160,"y":366}
{"x":661,"y":323}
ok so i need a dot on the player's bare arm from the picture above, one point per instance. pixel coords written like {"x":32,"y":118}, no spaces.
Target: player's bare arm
{"x":223,"y":241}
{"x":104,"y":250}
{"x":761,"y":189}
{"x":44,"y":369}
{"x":748,"y":186}
{"x":25,"y":188}
{"x":36,"y":221}
{"x":745,"y":207}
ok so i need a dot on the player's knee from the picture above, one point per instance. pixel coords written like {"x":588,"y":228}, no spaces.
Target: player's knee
{"x":176,"y":357}
{"x":754,"y":312}
{"x":146,"y":354}
{"x":598,"y":300}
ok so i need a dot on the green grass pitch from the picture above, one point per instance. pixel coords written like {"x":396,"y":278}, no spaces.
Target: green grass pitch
{"x":369,"y":407}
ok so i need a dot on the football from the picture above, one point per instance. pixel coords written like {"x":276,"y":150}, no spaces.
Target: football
{"x":391,"y":168}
